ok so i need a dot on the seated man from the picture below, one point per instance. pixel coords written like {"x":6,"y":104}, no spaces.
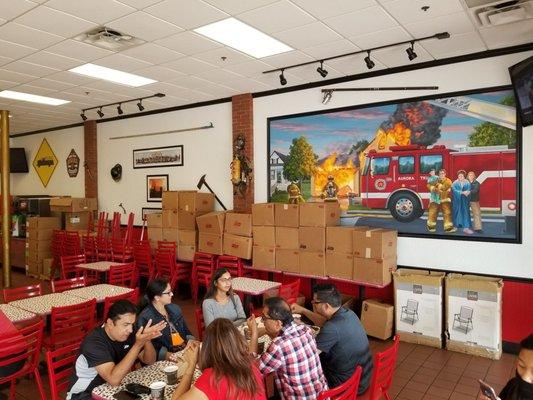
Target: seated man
{"x":342,"y":339}
{"x":292,"y":355}
{"x":108,"y":352}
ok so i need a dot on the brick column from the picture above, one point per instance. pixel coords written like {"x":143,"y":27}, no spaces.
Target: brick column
{"x":90,"y":159}
{"x":243,"y":121}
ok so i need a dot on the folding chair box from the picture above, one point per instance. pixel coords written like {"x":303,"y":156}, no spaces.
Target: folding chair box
{"x":212,"y":222}
{"x":264,"y":257}
{"x":35,"y":223}
{"x":196,"y":202}
{"x":287,"y":238}
{"x":287,"y":215}
{"x":210,"y":243}
{"x":154,"y":220}
{"x":313,"y":263}
{"x":311,"y":238}
{"x":374,"y":243}
{"x":377,"y":318}
{"x":320,"y":214}
{"x":474,"y":315}
{"x":170,"y":200}
{"x":238,"y":224}
{"x":339,"y":265}
{"x":238,"y":246}
{"x":374,"y":271}
{"x":264,"y":236}
{"x":418,"y":305}
{"x":287,"y":260}
{"x":263,"y":214}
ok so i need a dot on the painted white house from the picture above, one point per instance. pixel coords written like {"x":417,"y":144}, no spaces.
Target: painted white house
{"x":277,"y":181}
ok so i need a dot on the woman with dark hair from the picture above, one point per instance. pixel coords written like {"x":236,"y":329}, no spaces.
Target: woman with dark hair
{"x":158,"y":307}
{"x":228,"y":370}
{"x":220,"y":302}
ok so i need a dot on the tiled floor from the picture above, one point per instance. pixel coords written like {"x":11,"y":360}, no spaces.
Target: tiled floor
{"x":422,"y":373}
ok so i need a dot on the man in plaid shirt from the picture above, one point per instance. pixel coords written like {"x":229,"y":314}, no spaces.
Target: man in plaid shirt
{"x":292,"y":355}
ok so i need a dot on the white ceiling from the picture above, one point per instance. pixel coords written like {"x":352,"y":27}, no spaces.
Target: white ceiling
{"x":37,"y":47}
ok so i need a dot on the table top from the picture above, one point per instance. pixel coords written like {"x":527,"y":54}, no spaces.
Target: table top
{"x":145,"y":376}
{"x":43,"y":304}
{"x":15,"y":314}
{"x":98,"y":292}
{"x":253,"y":286}
{"x":102,"y":266}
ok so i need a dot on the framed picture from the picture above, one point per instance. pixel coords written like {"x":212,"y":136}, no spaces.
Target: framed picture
{"x":445,"y":167}
{"x":150,"y":210}
{"x":155,"y":184}
{"x":170,"y":156}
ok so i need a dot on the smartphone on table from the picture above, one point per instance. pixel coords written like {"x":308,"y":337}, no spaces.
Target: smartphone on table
{"x":125,"y":395}
{"x":487,"y":390}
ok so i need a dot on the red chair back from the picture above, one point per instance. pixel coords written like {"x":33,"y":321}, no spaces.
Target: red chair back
{"x":168,"y":246}
{"x":123,"y":275}
{"x":68,"y":265}
{"x":120,"y":251}
{"x":290,"y":291}
{"x":384,"y":365}
{"x":89,"y":248}
{"x":61,"y":368}
{"x":346,"y":391}
{"x":103,"y":249}
{"x":200,"y":323}
{"x":23,"y":292}
{"x":61,"y":285}
{"x":132,"y":296}
{"x":203,"y":265}
{"x":72,"y":243}
{"x":232,"y":264}
{"x":165,"y":263}
{"x":142,"y":256}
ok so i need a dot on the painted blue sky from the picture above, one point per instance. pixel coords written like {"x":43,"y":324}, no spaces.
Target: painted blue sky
{"x":338,"y":131}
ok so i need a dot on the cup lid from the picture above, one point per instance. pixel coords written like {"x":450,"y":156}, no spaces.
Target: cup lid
{"x":157,"y":385}
{"x":170,"y":368}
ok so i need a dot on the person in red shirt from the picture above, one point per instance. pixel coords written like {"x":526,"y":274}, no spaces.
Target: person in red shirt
{"x":229,"y":371}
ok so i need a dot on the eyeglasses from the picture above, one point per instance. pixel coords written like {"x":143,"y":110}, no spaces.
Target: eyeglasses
{"x":169,"y":292}
{"x":225,"y":279}
{"x":265,"y":317}
{"x":316,"y":302}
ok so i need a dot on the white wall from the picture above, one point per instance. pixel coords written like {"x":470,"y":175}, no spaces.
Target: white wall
{"x":61,"y":142}
{"x":206,"y":151}
{"x":476,"y":257}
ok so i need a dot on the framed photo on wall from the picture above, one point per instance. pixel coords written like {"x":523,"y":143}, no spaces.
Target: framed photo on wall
{"x":150,"y":210}
{"x":155,"y":185}
{"x":170,"y":156}
{"x":442,"y":167}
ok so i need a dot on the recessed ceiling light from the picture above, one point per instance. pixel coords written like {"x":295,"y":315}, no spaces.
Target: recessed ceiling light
{"x":9,"y":94}
{"x":113,"y":75}
{"x":243,"y":37}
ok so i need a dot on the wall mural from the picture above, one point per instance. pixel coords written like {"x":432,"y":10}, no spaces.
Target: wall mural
{"x":443,"y":167}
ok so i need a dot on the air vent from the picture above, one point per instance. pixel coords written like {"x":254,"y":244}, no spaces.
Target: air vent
{"x":109,"y":39}
{"x":490,"y":13}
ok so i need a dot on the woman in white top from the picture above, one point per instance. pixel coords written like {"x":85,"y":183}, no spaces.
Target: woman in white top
{"x":220,"y":302}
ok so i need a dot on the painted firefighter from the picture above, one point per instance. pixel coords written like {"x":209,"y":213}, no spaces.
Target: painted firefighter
{"x":295,"y":196}
{"x":440,"y":201}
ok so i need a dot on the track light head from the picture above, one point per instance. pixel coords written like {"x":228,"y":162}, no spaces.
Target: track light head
{"x":369,"y":63}
{"x":323,"y":73}
{"x":100,"y":113}
{"x":140,"y":105}
{"x":411,"y":52}
{"x":327,"y":96}
{"x":282,"y":79}
{"x":120,"y":110}
{"x":83,"y":116}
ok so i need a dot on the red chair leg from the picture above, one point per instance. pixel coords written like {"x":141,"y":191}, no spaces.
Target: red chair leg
{"x":12,"y":387}
{"x":39,"y":383}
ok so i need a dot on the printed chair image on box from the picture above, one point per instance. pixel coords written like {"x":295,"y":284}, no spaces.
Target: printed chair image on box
{"x":464,"y":318}
{"x":410,"y":312}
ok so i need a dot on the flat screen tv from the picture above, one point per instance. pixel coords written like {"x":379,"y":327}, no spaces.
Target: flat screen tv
{"x":17,"y":158}
{"x":522,"y":79}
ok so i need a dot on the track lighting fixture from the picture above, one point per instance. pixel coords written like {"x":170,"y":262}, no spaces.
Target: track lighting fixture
{"x":100,"y":113}
{"x":411,"y":52}
{"x":120,"y":110}
{"x":369,"y":63}
{"x":327,"y":96}
{"x":83,"y":116}
{"x":323,"y":73}
{"x":140,"y":105}
{"x":282,"y":79}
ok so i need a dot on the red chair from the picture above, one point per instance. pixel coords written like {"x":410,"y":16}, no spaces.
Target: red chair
{"x":89,"y":248}
{"x":200,"y":323}
{"x":142,"y":256}
{"x":290,"y":291}
{"x":232,"y":264}
{"x":22,"y":292}
{"x":165,"y":245}
{"x":61,"y":285}
{"x":23,"y":346}
{"x":384,"y":365}
{"x":60,"y":368}
{"x":132,"y":296}
{"x":103,"y":249}
{"x":72,"y":243}
{"x":203,"y":265}
{"x":346,"y":391}
{"x":183,"y":269}
{"x":70,"y":324}
{"x":123,"y":275}
{"x":68,"y":265}
{"x":58,"y":250}
{"x":120,"y":252}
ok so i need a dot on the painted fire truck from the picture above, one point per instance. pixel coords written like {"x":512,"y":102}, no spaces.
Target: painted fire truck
{"x":397,"y":179}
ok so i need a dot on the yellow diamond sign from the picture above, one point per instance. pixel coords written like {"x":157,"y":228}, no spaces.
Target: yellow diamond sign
{"x":45,"y":162}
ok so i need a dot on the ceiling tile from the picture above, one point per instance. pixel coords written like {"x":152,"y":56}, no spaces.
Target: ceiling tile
{"x":215,"y":57}
{"x":7,"y":84}
{"x":396,"y":56}
{"x":71,"y":77}
{"x":29,"y":68}
{"x":247,"y":85}
{"x":103,"y":12}
{"x":81,"y":51}
{"x":190,"y":65}
{"x":122,"y":63}
{"x":5,"y":60}
{"x":13,"y":50}
{"x":159,"y":73}
{"x":381,"y":38}
{"x":195,"y":96}
{"x":152,"y":53}
{"x":2,"y":21}
{"x":220,"y":76}
{"x":190,"y":82}
{"x":52,"y":60}
{"x":51,"y":84}
{"x":187,"y":14}
{"x":27,"y":36}
{"x":27,"y":88}
{"x":10,"y":9}
{"x":140,"y":4}
{"x":508,"y":35}
{"x":324,"y":9}
{"x":166,"y":88}
{"x":452,"y":23}
{"x":331,"y":49}
{"x":358,"y":23}
{"x":218,"y":91}
{"x":56,"y":22}
{"x":236,"y":7}
{"x":188,"y":43}
{"x":11,"y":76}
{"x":144,"y":26}
{"x":407,"y":11}
{"x":312,"y":34}
{"x":469,"y":42}
{"x":289,"y":58}
{"x":249,"y":68}
{"x":276,"y":17}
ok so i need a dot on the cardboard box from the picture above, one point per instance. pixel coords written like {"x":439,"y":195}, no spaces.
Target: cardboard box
{"x":287,"y":238}
{"x":73,"y":204}
{"x":238,"y":224}
{"x":418,"y":306}
{"x":264,"y":257}
{"x":36,"y":246}
{"x":212,"y":222}
{"x":374,"y":243}
{"x":155,"y":234}
{"x":196,"y":202}
{"x":287,"y":215}
{"x":187,"y":238}
{"x":186,"y":220}
{"x":47,"y":268}
{"x":154,"y":220}
{"x":287,"y":260}
{"x":186,"y":253}
{"x":311,"y":238}
{"x":210,"y":243}
{"x":340,"y":238}
{"x":373,"y":271}
{"x":170,"y":200}
{"x":320,"y":214}
{"x":170,"y":235}
{"x":339,"y":265}
{"x":34,"y":268}
{"x":38,"y":257}
{"x":264,"y":236}
{"x":313,"y":263}
{"x":263,"y":214}
{"x":238,"y":246}
{"x":34,"y":223}
{"x":40,"y":234}
{"x":377,"y":318}
{"x":169,"y":219}
{"x":474,"y":315}
{"x":77,"y":220}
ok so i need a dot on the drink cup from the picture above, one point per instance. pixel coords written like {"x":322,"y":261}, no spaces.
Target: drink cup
{"x":157,"y":390}
{"x":171,"y":373}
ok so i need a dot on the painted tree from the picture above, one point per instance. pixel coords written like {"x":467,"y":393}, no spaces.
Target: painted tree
{"x":301,"y":161}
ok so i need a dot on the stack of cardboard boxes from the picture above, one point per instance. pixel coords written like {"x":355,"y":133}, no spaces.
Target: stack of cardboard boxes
{"x":38,"y":243}
{"x":374,"y":255}
{"x":154,"y":222}
{"x":75,"y":212}
{"x":238,"y":235}
{"x":339,"y":251}
{"x":211,"y":228}
{"x":287,"y":221}
{"x":264,"y":235}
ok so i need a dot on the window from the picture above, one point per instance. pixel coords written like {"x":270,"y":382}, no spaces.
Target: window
{"x":272,"y":161}
{"x":272,"y":175}
{"x":279,"y":177}
{"x":406,"y":164}
{"x":427,"y":163}
{"x":366,"y":167}
{"x":380,"y":166}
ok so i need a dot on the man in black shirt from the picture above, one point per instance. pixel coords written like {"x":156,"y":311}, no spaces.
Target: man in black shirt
{"x":108,"y":352}
{"x":474,"y":202}
{"x":342,"y":339}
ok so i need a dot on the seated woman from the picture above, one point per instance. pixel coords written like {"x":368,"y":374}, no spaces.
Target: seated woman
{"x":159,"y":308}
{"x":220,"y":302}
{"x":228,"y":370}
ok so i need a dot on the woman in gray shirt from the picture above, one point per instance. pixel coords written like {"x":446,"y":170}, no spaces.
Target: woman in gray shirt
{"x":220,"y":302}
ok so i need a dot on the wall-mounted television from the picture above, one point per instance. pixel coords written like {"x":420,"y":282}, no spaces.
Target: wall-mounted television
{"x":17,"y":159}
{"x":522,"y":79}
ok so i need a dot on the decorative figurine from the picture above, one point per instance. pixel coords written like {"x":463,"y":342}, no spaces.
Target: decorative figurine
{"x":241,"y":171}
{"x":295,"y":196}
{"x":330,"y":190}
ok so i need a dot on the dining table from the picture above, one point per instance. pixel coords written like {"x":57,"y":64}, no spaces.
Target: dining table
{"x":15,"y":314}
{"x":42,"y":305}
{"x":252,"y":287}
{"x":98,"y":292}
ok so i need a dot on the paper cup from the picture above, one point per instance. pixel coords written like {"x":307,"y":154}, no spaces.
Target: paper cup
{"x":171,"y":373}
{"x":157,"y":390}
